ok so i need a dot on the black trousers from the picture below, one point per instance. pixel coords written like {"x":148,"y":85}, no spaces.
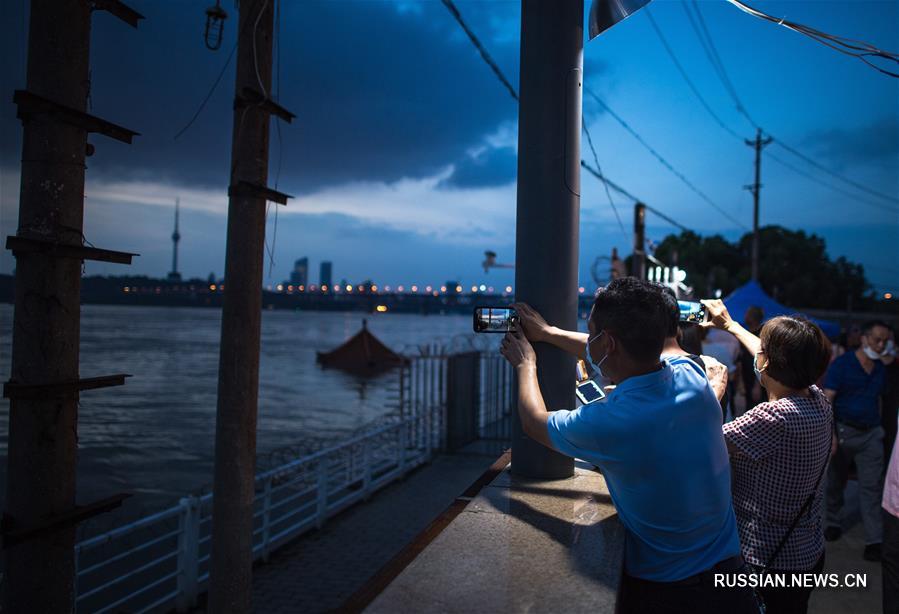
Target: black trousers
{"x":789,"y":600}
{"x":698,"y":595}
{"x":890,"y":563}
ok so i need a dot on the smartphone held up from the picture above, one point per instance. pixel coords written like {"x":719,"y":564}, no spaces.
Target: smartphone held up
{"x":495,"y":319}
{"x":692,"y":311}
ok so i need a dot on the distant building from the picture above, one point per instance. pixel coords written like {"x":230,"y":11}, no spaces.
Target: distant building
{"x":324,"y":276}
{"x":300,"y":274}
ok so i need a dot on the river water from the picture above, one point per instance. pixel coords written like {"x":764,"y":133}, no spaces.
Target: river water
{"x":154,"y":436}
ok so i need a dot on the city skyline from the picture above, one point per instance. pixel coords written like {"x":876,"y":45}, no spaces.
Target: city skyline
{"x":405,"y":179}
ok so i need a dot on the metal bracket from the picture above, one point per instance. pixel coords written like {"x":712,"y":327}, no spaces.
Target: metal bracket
{"x":15,"y":390}
{"x":118,"y":9}
{"x":25,"y":245}
{"x":253,"y":190}
{"x":56,"y":522}
{"x":250,"y":97}
{"x":31,"y":105}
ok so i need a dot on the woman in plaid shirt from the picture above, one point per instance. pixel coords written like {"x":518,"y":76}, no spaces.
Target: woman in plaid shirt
{"x":779,"y":451}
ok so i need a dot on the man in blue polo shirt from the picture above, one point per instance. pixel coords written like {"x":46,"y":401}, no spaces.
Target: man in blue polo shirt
{"x":853,"y":384}
{"x":657,"y":439}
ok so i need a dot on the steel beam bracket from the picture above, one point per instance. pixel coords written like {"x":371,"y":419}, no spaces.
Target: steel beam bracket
{"x":13,"y":535}
{"x":16,"y":390}
{"x":253,"y":190}
{"x":25,"y":245}
{"x":249,"y":97}
{"x":31,"y":105}
{"x":118,"y":9}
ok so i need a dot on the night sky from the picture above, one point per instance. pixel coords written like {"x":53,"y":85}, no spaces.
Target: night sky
{"x":403,"y":154}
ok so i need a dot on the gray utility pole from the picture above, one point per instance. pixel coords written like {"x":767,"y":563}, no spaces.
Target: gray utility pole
{"x":546,"y":252}
{"x":176,"y":236}
{"x":44,"y":387}
{"x":638,"y":261}
{"x":758,"y":144}
{"x":238,"y":388}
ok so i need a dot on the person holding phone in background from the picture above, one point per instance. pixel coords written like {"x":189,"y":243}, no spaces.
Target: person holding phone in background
{"x":779,"y":451}
{"x":657,"y":440}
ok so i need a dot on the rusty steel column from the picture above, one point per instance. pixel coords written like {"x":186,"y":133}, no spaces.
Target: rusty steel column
{"x":238,"y":388}
{"x":46,"y":321}
{"x":546,"y":244}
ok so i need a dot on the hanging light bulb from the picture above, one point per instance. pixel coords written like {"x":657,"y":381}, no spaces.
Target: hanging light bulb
{"x":215,"y":25}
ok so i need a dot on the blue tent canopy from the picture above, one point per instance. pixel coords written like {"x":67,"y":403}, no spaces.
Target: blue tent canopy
{"x":752,"y":294}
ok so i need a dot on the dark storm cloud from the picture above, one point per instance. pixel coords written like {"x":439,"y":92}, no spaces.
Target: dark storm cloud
{"x":380,"y":91}
{"x":876,"y":143}
{"x":492,"y":167}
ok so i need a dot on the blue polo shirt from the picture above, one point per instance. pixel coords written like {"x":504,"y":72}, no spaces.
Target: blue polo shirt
{"x":657,"y":439}
{"x":857,"y":391}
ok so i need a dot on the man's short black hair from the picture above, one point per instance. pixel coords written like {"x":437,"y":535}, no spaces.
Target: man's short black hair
{"x":635,"y":313}
{"x":868,"y":326}
{"x":674,"y":310}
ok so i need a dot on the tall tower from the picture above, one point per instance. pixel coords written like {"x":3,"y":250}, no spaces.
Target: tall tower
{"x":174,"y":275}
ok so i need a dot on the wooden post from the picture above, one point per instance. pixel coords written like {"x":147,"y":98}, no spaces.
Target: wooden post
{"x":238,"y":389}
{"x":46,"y":321}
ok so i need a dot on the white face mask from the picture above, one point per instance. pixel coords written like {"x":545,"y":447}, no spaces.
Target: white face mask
{"x":890,"y":349}
{"x":870,"y":353}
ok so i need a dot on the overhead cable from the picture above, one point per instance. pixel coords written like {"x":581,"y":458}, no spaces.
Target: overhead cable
{"x":604,"y":184}
{"x":810,"y":177}
{"x":686,"y":78}
{"x":848,"y":46}
{"x":477,"y":43}
{"x":665,"y":162}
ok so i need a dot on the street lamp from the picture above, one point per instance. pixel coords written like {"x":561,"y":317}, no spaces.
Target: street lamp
{"x":606,"y":13}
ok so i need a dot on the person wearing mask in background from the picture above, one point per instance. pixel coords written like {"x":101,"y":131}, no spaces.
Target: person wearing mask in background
{"x":779,"y":450}
{"x":890,"y":399}
{"x":890,"y":561}
{"x":752,"y":390}
{"x":854,"y":383}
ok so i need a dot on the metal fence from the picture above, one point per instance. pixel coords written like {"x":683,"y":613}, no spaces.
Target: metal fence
{"x":162,"y":561}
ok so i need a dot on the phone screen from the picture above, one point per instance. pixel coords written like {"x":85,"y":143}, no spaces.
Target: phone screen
{"x":589,"y":392}
{"x":691,"y":311}
{"x":494,"y":319}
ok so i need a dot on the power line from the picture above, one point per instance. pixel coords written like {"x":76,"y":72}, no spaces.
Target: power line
{"x":683,"y":73}
{"x":665,"y":162}
{"x":484,"y":54}
{"x":820,"y":166}
{"x":715,"y":58}
{"x":708,"y":45}
{"x":848,"y":46}
{"x":502,"y":78}
{"x":596,"y":173}
{"x":604,"y":184}
{"x":830,"y":186}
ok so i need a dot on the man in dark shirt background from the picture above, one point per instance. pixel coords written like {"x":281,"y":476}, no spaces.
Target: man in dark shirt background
{"x":853,"y":384}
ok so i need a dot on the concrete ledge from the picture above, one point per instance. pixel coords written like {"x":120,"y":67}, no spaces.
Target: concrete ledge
{"x":519,"y":545}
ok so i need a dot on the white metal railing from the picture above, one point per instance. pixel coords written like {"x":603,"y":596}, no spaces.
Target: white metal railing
{"x":162,"y":561}
{"x":169,"y":564}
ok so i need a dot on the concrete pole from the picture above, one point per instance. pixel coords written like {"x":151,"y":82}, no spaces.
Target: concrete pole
{"x":235,"y":433}
{"x":46,"y":321}
{"x":638,"y":260}
{"x":546,"y":255}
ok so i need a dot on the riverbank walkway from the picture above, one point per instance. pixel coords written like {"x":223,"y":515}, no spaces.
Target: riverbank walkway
{"x":321,"y":570}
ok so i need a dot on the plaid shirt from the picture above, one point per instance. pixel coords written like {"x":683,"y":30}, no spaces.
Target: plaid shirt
{"x":778,"y":451}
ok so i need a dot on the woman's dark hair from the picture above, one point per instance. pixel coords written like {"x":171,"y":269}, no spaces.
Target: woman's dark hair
{"x":797,"y":350}
{"x":634,"y":311}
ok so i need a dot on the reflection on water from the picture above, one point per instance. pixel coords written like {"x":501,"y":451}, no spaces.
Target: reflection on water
{"x":154,"y":436}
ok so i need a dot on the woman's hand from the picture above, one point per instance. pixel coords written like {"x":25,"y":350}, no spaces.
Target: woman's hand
{"x":517,"y":350}
{"x":718,"y":314}
{"x":532,"y":323}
